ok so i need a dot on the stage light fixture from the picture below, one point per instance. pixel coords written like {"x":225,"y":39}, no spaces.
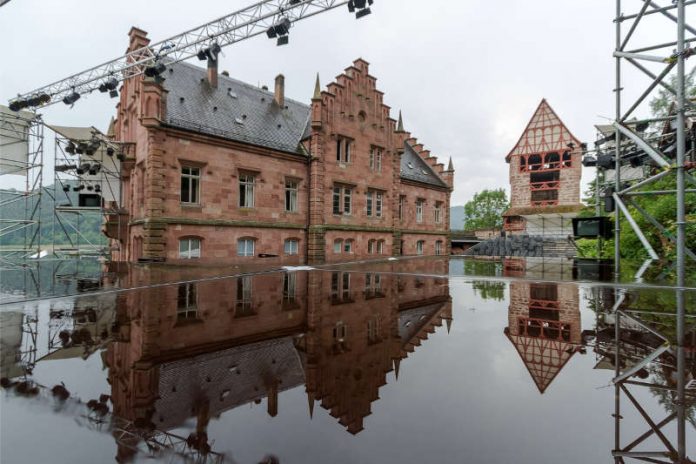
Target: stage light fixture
{"x":70,"y":147}
{"x":15,"y":105}
{"x":360,"y":7}
{"x":283,"y":27}
{"x":81,"y":147}
{"x":90,"y":188}
{"x":71,"y":98}
{"x":271,"y":33}
{"x":66,"y":188}
{"x":282,"y":40}
{"x":155,"y":70}
{"x":362,"y":13}
{"x":97,"y":188}
{"x":605,"y":161}
{"x":589,"y":161}
{"x":109,"y":151}
{"x":202,"y":55}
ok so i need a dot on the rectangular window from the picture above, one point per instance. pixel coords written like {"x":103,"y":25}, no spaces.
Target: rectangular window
{"x":343,"y":149}
{"x":348,"y":246}
{"x":438,"y":212}
{"x":375,"y":199}
{"x":292,"y":246}
{"x":419,"y":247}
{"x":438,"y":247}
{"x":245,"y":247}
{"x":338,"y":246}
{"x":375,"y":159}
{"x":371,"y":246}
{"x":419,"y":210}
{"x":340,"y":287}
{"x":380,"y":247}
{"x":245,"y":306}
{"x":289,"y":290}
{"x":189,"y":248}
{"x":402,"y":206}
{"x":190,"y":183}
{"x":186,"y":302}
{"x":291,"y":188}
{"x":246,"y":190}
{"x":342,"y":200}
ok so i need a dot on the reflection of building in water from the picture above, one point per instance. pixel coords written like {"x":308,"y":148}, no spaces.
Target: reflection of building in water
{"x":543,"y":324}
{"x":11,"y":334}
{"x":360,"y":327}
{"x":199,"y":349}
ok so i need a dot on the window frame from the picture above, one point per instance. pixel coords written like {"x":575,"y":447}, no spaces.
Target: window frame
{"x":438,"y":212}
{"x":344,"y":148}
{"x":291,"y":241}
{"x":338,"y":243}
{"x":438,"y":248}
{"x":188,"y":178}
{"x":247,"y":187}
{"x":188,"y":253}
{"x":342,"y":200}
{"x":420,"y":203}
{"x":245,"y":252}
{"x":420,"y":246}
{"x":292,"y":193}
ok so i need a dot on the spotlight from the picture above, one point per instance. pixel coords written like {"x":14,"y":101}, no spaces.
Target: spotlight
{"x":97,"y":188}
{"x":155,"y":70}
{"x":113,"y":93}
{"x":642,"y":127}
{"x":16,"y":105}
{"x":362,"y":13}
{"x":66,"y":188}
{"x":109,"y":151}
{"x":283,"y":27}
{"x":605,"y":161}
{"x":72,"y":98}
{"x":359,"y":7}
{"x":282,"y":40}
{"x":90,"y":188}
{"x":589,"y":161}
{"x":271,"y":33}
{"x":81,"y":147}
{"x":202,"y":55}
{"x":70,"y":148}
{"x":121,"y":157}
{"x":110,"y":84}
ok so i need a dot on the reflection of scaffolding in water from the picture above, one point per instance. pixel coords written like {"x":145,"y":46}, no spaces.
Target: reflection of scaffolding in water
{"x":641,"y":356}
{"x":86,"y":189}
{"x":21,"y":154}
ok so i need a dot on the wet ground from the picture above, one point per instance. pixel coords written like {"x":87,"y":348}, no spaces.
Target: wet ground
{"x":401,"y":361}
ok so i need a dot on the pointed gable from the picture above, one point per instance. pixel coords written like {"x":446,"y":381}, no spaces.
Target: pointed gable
{"x":544,"y":358}
{"x":545,"y":132}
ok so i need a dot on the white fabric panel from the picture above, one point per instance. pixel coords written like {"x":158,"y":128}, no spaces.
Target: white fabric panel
{"x":14,"y":141}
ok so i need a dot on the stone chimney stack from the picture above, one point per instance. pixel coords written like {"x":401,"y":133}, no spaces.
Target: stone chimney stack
{"x":213,"y":72}
{"x":279,"y":96}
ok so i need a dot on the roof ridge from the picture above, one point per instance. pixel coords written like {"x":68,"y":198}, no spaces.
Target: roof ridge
{"x":222,"y":77}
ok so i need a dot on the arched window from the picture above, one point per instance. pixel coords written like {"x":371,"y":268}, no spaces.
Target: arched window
{"x":380,"y":247}
{"x":420,"y":244}
{"x":338,"y":246}
{"x":189,"y":247}
{"x":245,"y":246}
{"x":567,"y":160}
{"x":371,"y":246}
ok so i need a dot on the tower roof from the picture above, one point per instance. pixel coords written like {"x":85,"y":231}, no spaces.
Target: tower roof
{"x":545,"y":132}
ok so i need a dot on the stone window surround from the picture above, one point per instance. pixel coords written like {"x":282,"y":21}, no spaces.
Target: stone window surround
{"x":376,"y":157}
{"x":288,"y":240}
{"x":245,"y":239}
{"x":420,"y":205}
{"x":200,"y":165}
{"x":345,"y":187}
{"x":344,"y":149}
{"x":189,"y":238}
{"x":256,"y":180}
{"x":376,"y":197}
{"x":297,"y":181}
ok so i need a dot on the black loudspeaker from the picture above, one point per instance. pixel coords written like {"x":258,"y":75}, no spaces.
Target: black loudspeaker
{"x":609,"y":203}
{"x":592,"y":227}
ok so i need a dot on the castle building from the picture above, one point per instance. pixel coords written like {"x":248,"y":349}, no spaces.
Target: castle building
{"x":545,"y":172}
{"x":225,"y":169}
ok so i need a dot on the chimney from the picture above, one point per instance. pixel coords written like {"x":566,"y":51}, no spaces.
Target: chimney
{"x":279,"y":96}
{"x":213,"y":72}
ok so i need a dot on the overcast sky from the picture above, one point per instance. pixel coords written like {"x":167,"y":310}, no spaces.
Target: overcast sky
{"x":467,"y":74}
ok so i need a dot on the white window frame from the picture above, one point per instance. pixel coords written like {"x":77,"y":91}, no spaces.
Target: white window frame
{"x":193,"y":179}
{"x":189,"y":252}
{"x":380,"y":247}
{"x":419,"y":211}
{"x":371,"y":246}
{"x":338,"y":246}
{"x":402,"y":206}
{"x":292,"y":188}
{"x":243,"y":247}
{"x":344,"y":147}
{"x":438,"y":213}
{"x":291,"y":246}
{"x":247,"y":181}
{"x":342,"y":196}
{"x":438,"y":247}
{"x":348,"y":246}
{"x":374,"y":203}
{"x":420,"y":245}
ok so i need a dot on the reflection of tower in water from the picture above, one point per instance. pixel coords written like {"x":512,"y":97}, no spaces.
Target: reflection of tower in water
{"x":544,"y":326}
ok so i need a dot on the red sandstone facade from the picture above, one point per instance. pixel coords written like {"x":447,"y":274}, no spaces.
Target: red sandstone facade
{"x":545,"y":172}
{"x":334,"y":188}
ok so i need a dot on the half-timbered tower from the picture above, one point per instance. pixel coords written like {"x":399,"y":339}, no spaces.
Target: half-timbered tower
{"x":545,"y":172}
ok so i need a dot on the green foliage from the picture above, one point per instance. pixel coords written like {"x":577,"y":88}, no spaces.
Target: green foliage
{"x":488,"y":290}
{"x":659,"y":105}
{"x":485,"y":210}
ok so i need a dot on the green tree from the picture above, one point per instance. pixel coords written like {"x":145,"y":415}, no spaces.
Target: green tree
{"x":485,"y":210}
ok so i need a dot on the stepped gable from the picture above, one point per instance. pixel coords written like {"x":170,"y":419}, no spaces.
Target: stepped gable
{"x":234,"y":110}
{"x":415,"y":168}
{"x":545,"y":132}
{"x":354,"y":94}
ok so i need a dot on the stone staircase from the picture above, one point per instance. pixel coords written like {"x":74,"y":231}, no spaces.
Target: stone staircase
{"x":523,"y":245}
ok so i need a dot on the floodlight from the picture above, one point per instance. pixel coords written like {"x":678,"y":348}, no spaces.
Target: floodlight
{"x":155,"y":70}
{"x":271,"y":33}
{"x":110,"y":151}
{"x":362,"y":13}
{"x":66,"y":188}
{"x":70,"y":147}
{"x":605,"y":161}
{"x":282,"y":40}
{"x":202,"y":55}
{"x":589,"y":161}
{"x":97,"y":188}
{"x":71,"y":98}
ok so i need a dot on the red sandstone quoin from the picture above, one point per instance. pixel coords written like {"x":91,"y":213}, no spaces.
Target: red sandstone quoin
{"x":225,"y":169}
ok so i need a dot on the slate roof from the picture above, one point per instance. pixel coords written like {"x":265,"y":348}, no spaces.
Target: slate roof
{"x":413,"y":167}
{"x":244,"y":113}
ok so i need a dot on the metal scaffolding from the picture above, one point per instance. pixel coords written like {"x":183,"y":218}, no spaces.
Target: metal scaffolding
{"x":21,"y":155}
{"x":668,"y":156}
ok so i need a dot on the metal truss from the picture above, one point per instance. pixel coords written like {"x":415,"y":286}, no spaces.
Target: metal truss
{"x":235,"y":27}
{"x":22,"y":129}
